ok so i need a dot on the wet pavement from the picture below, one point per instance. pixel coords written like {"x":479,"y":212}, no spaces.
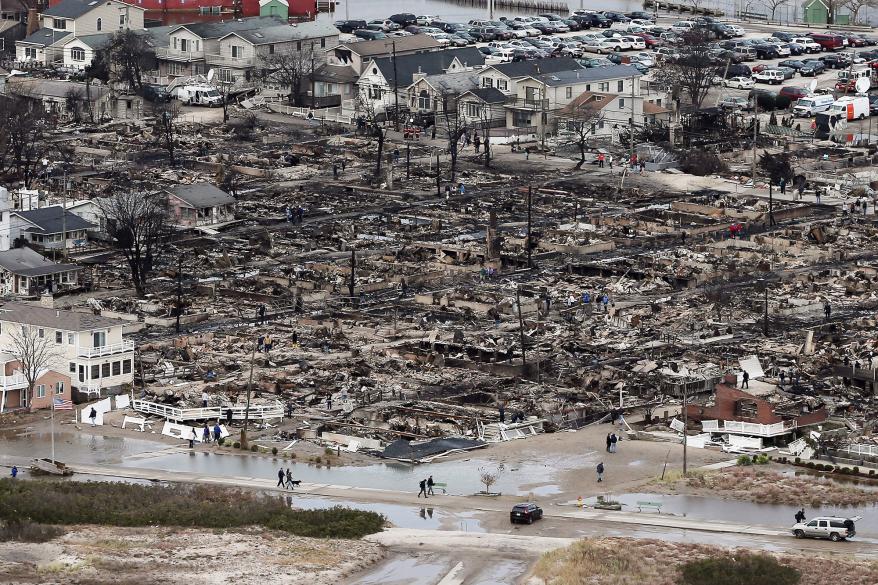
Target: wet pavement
{"x":744,"y":512}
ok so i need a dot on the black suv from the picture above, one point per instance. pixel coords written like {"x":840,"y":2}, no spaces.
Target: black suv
{"x":616,"y":17}
{"x":598,"y":21}
{"x":784,"y":36}
{"x":835,"y":61}
{"x":766,"y":51}
{"x":156,"y":93}
{"x":349,"y":26}
{"x":525,"y":513}
{"x":403,"y":19}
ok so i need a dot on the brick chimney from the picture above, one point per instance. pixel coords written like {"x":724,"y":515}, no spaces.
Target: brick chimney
{"x":33,"y":21}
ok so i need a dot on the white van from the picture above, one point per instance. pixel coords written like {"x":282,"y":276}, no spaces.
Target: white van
{"x":684,"y":26}
{"x":812,"y":105}
{"x":851,"y":107}
{"x":206,"y":95}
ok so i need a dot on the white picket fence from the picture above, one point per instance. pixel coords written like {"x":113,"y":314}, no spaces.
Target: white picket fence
{"x":745,"y":428}
{"x":257,"y":412}
{"x":319,"y":115}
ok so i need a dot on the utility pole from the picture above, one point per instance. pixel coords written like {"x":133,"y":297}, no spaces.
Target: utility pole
{"x":631,"y":124}
{"x":685,"y":425}
{"x":64,"y":216}
{"x":521,"y":330}
{"x":353,"y":273}
{"x":765,"y":318}
{"x":179,"y":289}
{"x":438,"y":178}
{"x":529,"y":213}
{"x":755,"y":128}
{"x":244,"y":444}
{"x":395,"y":89}
{"x":408,"y":158}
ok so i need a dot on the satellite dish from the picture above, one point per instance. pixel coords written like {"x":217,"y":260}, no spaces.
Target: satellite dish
{"x":863,"y":84}
{"x":210,"y":75}
{"x":812,"y":86}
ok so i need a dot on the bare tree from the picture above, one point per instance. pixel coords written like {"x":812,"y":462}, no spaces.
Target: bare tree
{"x":289,"y":68}
{"x":773,"y":5}
{"x":489,"y":477}
{"x":455,"y":126}
{"x":367,"y":116}
{"x":166,"y":115}
{"x":485,"y":120}
{"x":576,"y":126}
{"x":227,"y":178}
{"x":22,"y":124}
{"x":854,"y":6}
{"x":136,"y":222}
{"x":693,"y":71}
{"x":128,"y":56}
{"x":34,"y":351}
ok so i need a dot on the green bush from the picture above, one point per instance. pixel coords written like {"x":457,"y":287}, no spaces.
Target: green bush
{"x":111,"y":504}
{"x":236,"y":445}
{"x":782,"y":102}
{"x":761,"y":459}
{"x":329,"y":451}
{"x":292,"y":455}
{"x":27,"y":531}
{"x":254,"y":448}
{"x":222,"y":441}
{"x":741,"y":569}
{"x":871,"y":472}
{"x":744,"y":460}
{"x":274,"y":450}
{"x":846,"y":470}
{"x":856,"y":470}
{"x":798,"y":460}
{"x":318,"y":460}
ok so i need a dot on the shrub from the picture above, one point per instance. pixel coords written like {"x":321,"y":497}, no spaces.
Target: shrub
{"x":761,"y":459}
{"x":846,"y":470}
{"x":222,"y":441}
{"x":798,"y":460}
{"x":856,"y":470}
{"x":765,"y":101}
{"x":27,"y":531}
{"x":752,"y":569}
{"x":329,"y":452}
{"x":744,"y":460}
{"x":292,"y":455}
{"x":236,"y":445}
{"x":871,"y":472}
{"x":318,"y":460}
{"x":274,"y":450}
{"x":109,"y":504}
{"x":254,"y":448}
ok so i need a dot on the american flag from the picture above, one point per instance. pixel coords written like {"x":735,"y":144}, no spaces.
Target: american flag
{"x":61,"y":404}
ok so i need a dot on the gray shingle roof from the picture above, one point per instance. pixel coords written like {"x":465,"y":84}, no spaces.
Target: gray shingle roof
{"x":432,"y":63}
{"x":285,"y":32}
{"x":45,"y":317}
{"x":45,"y":37}
{"x":94,"y":41}
{"x":383,"y":46}
{"x":56,"y":88}
{"x":48,"y":220}
{"x":27,"y":262}
{"x":201,"y":195}
{"x":215,"y":30}
{"x":454,"y":82}
{"x":489,"y":95}
{"x":537,"y":67}
{"x":585,"y":75}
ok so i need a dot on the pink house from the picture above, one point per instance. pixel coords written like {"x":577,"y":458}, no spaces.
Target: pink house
{"x":200,"y":204}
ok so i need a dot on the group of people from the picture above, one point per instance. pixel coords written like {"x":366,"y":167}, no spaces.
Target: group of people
{"x":426,"y":486}
{"x":601,"y":299}
{"x":295,"y":214}
{"x":264,"y":343}
{"x":855,"y":206}
{"x":285,"y":479}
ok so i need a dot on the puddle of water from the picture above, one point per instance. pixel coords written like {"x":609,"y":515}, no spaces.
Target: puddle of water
{"x":74,"y":447}
{"x":744,"y":512}
{"x":405,"y":571}
{"x":401,"y":516}
{"x":500,"y":572}
{"x":543,"y":490}
{"x":841,"y":480}
{"x":464,"y":521}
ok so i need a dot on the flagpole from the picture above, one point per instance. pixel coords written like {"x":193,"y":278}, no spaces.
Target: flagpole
{"x":53,"y":431}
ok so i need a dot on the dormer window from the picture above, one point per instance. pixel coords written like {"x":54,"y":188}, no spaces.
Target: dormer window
{"x":60,"y":24}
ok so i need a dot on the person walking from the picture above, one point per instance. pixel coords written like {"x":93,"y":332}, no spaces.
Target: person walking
{"x":827,"y":310}
{"x":217,"y":432}
{"x":800,"y":516}
{"x":746,"y":382}
{"x":93,"y":416}
{"x":818,"y":192}
{"x":204,"y":398}
{"x":609,"y":442}
{"x":280,"y":478}
{"x":477,"y":142}
{"x":229,"y":417}
{"x":268,"y":343}
{"x":613,"y":440}
{"x":430,"y":482}
{"x":193,"y":438}
{"x":335,"y":171}
{"x":423,"y":485}
{"x":289,"y":479}
{"x":783,"y":185}
{"x":783,"y":376}
{"x":14,"y":472}
{"x":261,"y":314}
{"x":600,"y":470}
{"x":205,"y":434}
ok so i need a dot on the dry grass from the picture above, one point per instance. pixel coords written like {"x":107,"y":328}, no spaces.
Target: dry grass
{"x":618,"y":561}
{"x":767,"y":487}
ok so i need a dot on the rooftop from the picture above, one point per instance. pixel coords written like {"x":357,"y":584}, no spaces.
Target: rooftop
{"x":27,"y":262}
{"x":200,"y":195}
{"x":54,"y":318}
{"x":47,"y":220}
{"x":383,"y":46}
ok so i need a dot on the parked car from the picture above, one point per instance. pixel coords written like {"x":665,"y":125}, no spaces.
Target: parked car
{"x":349,"y":26}
{"x":369,"y":35}
{"x":684,"y":26}
{"x":403,"y":19}
{"x":873,"y":105}
{"x":796,"y":49}
{"x":829,"y":41}
{"x":739,"y":82}
{"x":649,"y":40}
{"x":783,"y":36}
{"x":615,"y":16}
{"x":385,"y":24}
{"x":484,"y":33}
{"x":766,"y":51}
{"x":835,"y":61}
{"x":425,"y":19}
{"x":793,"y":92}
{"x":772,"y":76}
{"x":156,"y":93}
{"x":736,"y":30}
{"x":812,"y":68}
{"x":831,"y":527}
{"x":634,"y":43}
{"x":734,"y":103}
{"x":641,"y":15}
{"x":792,"y":64}
{"x":788,"y":72}
{"x":598,"y":21}
{"x":810,"y":45}
{"x":738,"y":71}
{"x":526,"y":513}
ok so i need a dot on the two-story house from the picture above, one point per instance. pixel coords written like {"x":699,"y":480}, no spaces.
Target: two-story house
{"x":345,"y":62}
{"x":435,"y":93}
{"x":539,"y":98}
{"x":86,"y":353}
{"x":13,"y":22}
{"x":383,"y":77}
{"x":44,"y":228}
{"x":503,"y":77}
{"x":241,"y":52}
{"x":26,"y":272}
{"x":71,"y":18}
{"x":189,"y":44}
